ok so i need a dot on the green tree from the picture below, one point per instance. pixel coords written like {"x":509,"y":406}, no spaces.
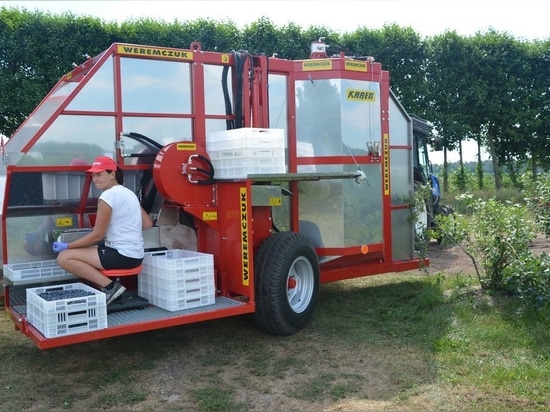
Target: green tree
{"x":37,"y":49}
{"x":453,"y":91}
{"x":261,"y":37}
{"x":537,"y":122}
{"x":490,"y":87}
{"x":500,"y":114}
{"x":402,"y":52}
{"x":294,"y":43}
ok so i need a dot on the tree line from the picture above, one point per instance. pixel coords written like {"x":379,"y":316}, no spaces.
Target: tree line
{"x":490,"y":87}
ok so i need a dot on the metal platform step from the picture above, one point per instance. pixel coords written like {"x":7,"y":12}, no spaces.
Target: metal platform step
{"x":127,"y":317}
{"x":141,"y":313}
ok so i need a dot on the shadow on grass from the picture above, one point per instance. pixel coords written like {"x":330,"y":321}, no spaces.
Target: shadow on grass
{"x":369,"y":339}
{"x":389,"y":325}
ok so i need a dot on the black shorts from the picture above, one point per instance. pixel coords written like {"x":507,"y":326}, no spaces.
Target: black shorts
{"x":111,"y":259}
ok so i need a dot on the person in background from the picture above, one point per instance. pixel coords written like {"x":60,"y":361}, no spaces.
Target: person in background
{"x":116,"y":241}
{"x":38,"y":242}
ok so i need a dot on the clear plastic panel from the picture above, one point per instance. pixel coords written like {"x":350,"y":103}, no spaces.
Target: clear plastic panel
{"x":98,"y":94}
{"x":400,"y":176}
{"x":73,"y":138}
{"x":214,"y":98}
{"x":400,"y":126}
{"x":161,"y":130}
{"x":360,"y":116}
{"x":30,"y":237}
{"x":344,"y":212}
{"x":337,"y":117}
{"x":35,"y":122}
{"x":154,"y":86}
{"x":363,"y":210}
{"x":278,"y":103}
{"x":318,"y":116}
{"x":402,"y":235}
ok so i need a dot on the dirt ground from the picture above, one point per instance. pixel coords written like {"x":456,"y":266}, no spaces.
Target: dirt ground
{"x":452,"y":260}
{"x":449,"y":260}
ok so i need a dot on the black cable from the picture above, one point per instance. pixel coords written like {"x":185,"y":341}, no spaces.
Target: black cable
{"x":339,"y":46}
{"x":147,"y":141}
{"x":229,"y":123}
{"x":239,"y":66}
{"x":208,"y":172}
{"x":347,"y":51}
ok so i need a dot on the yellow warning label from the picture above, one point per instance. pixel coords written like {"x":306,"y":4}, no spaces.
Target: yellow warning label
{"x":156,"y":52}
{"x":355,"y":66}
{"x":386,"y":164}
{"x":312,"y":65}
{"x":275,"y":201}
{"x":209,"y":216}
{"x":63,"y":221}
{"x":186,"y":146}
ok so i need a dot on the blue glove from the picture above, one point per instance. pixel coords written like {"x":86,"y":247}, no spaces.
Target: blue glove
{"x":59,"y":246}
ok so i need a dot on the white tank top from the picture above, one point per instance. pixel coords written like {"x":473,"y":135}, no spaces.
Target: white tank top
{"x":125,"y":228}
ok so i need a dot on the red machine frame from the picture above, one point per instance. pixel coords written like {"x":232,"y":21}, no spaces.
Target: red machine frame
{"x":228,"y":225}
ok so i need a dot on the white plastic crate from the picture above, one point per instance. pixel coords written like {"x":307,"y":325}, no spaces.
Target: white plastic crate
{"x":237,"y":153}
{"x":68,"y":316}
{"x":171,"y":286}
{"x":261,"y":153}
{"x":246,"y":137}
{"x":177,"y":259}
{"x":45,"y":270}
{"x":241,"y":168}
{"x":181,"y":299}
{"x":177,"y":279}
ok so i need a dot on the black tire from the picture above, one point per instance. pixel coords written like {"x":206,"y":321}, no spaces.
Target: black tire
{"x":444,"y":210}
{"x":286,"y":283}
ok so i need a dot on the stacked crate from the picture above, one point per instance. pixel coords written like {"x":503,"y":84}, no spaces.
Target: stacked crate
{"x":66,"y":309}
{"x":35,"y":272}
{"x":177,"y":279}
{"x":239,"y":152}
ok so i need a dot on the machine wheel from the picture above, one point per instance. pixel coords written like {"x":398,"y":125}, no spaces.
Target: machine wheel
{"x":287,"y":283}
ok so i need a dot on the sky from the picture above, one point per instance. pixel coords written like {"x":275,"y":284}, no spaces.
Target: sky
{"x":523,"y":19}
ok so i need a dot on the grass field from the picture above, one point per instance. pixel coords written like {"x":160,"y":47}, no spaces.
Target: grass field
{"x":389,"y":342}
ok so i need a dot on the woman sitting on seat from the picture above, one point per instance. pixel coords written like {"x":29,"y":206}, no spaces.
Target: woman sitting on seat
{"x":116,"y":241}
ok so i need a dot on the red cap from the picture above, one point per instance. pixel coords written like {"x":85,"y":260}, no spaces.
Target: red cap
{"x":101,"y":164}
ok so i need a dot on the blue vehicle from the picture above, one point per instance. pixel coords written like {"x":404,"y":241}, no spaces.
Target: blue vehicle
{"x":423,"y":174}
